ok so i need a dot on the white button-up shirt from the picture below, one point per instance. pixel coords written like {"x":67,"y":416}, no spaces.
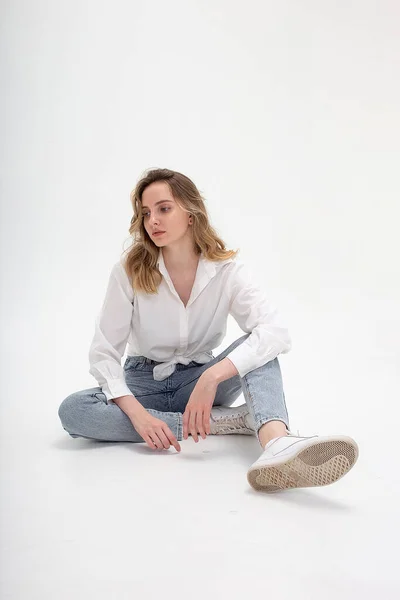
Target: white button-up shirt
{"x":160,"y":327}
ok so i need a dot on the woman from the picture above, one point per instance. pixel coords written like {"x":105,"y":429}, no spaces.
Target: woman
{"x":169,"y":300}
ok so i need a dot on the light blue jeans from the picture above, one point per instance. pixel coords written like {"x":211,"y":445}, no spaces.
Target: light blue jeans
{"x":86,"y":413}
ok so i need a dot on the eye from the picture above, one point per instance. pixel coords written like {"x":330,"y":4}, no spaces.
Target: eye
{"x":164,"y":208}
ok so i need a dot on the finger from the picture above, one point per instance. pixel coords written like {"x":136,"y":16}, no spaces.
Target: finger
{"x":206,"y":420}
{"x":200,"y":424}
{"x":156,"y":440}
{"x":185,"y":424}
{"x":172,"y":439}
{"x":149,"y":441}
{"x":163,"y":438}
{"x":192,"y":426}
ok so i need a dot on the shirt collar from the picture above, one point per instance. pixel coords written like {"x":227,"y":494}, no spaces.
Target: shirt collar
{"x":209,"y":266}
{"x":206,"y":270}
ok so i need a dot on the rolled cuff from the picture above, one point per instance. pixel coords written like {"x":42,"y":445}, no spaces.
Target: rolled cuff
{"x":245,"y":361}
{"x":114,"y":388}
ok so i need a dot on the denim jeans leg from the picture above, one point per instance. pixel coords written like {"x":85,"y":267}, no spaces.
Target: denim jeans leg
{"x":262,"y":389}
{"x":86,"y":414}
{"x":264,"y":395}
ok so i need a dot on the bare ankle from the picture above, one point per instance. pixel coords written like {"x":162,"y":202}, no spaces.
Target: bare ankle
{"x":271,"y":430}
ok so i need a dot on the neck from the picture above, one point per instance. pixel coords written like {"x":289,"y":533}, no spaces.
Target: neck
{"x":180,"y":259}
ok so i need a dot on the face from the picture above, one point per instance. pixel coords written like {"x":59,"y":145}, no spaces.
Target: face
{"x":162,"y":213}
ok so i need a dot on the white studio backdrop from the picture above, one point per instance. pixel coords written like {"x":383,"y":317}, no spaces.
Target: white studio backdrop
{"x":284,"y":114}
{"x":286,"y":117}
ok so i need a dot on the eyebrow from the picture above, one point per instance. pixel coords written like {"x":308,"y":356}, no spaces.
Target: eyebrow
{"x":159,"y":202}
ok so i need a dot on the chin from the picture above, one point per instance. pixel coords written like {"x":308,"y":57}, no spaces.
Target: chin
{"x":160,"y":241}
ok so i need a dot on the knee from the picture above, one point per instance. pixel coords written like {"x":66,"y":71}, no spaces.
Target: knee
{"x":68,"y":410}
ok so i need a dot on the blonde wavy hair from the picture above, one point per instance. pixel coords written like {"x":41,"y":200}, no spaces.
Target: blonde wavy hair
{"x":140,"y":260}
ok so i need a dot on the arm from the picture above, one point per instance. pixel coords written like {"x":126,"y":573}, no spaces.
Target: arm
{"x":256,"y":315}
{"x":225,"y":369}
{"x":108,"y":345}
{"x":130,"y":405}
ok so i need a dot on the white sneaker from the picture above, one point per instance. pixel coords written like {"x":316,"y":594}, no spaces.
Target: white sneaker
{"x":231,"y":419}
{"x":293,"y":461}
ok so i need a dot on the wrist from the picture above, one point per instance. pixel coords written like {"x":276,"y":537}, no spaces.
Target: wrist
{"x":222,"y":370}
{"x":130,"y":405}
{"x":209,"y":377}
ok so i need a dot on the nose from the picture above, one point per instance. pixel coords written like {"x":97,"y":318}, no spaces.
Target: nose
{"x":153,"y":220}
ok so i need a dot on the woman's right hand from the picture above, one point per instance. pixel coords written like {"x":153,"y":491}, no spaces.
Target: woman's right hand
{"x":155,"y":432}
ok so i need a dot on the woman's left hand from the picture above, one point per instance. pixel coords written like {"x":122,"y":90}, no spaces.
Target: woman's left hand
{"x":196,"y":418}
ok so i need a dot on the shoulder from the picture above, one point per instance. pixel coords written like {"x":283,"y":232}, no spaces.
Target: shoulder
{"x":243,"y":278}
{"x":118,"y":268}
{"x":239,"y":268}
{"x":119,"y":273}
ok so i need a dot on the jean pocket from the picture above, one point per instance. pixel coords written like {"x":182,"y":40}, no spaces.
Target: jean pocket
{"x":132,"y":363}
{"x":101,"y":396}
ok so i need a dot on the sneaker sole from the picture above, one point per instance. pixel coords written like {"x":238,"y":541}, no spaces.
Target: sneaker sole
{"x":321,"y":463}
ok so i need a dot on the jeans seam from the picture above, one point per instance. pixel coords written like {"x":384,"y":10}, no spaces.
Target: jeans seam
{"x":179,"y":432}
{"x":260,"y":422}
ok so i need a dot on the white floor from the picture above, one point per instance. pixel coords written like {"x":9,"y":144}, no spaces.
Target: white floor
{"x":81,"y":518}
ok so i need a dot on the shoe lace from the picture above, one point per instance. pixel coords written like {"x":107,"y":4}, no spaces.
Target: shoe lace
{"x":294,"y":434}
{"x":231,"y":423}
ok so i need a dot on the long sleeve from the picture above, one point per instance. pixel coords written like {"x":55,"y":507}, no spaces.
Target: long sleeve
{"x":255,"y":314}
{"x":112,"y":326}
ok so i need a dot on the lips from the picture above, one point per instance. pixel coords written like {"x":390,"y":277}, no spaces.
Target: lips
{"x":158,"y":232}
